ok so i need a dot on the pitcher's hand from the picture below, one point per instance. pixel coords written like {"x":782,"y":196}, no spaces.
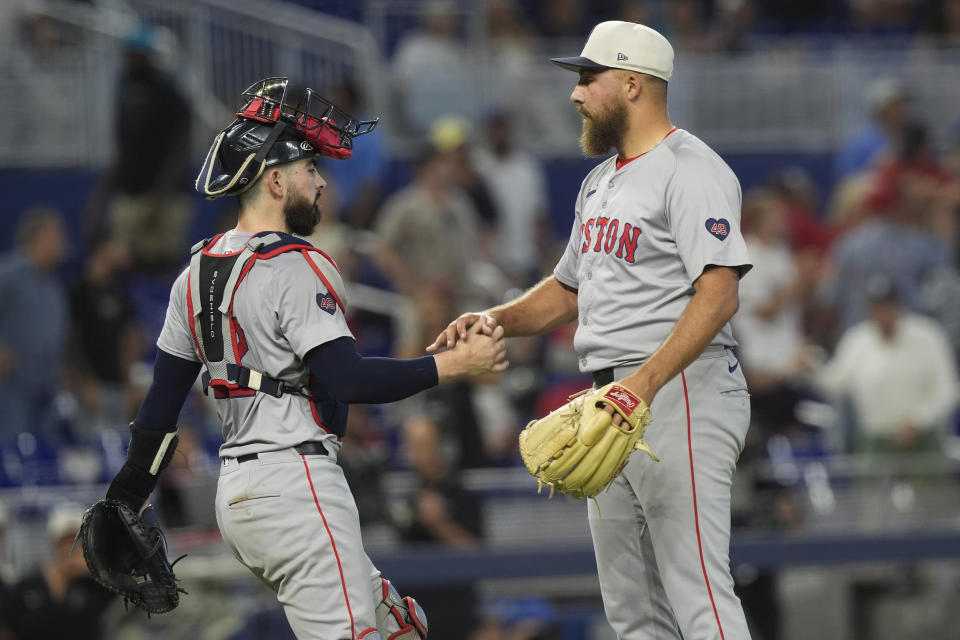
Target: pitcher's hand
{"x":457,"y":330}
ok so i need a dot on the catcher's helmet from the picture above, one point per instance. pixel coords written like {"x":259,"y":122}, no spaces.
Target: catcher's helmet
{"x":273,"y":127}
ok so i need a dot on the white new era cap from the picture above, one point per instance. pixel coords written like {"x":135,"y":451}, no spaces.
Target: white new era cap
{"x":623,"y":45}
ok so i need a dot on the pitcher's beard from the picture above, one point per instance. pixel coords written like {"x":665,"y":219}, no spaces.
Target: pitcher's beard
{"x":602,"y":131}
{"x":302,"y":216}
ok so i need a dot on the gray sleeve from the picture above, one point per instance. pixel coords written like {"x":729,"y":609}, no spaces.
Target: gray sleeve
{"x":308,"y":312}
{"x":703,"y":210}
{"x":566,"y":269}
{"x":176,"y":337}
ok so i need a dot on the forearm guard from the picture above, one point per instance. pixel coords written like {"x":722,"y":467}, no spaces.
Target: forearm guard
{"x":149,"y":454}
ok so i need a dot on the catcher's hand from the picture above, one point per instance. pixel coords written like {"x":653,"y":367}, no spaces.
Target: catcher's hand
{"x":127,"y":557}
{"x":578,"y":449}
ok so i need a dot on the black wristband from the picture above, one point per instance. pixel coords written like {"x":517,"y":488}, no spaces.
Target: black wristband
{"x":132,"y":486}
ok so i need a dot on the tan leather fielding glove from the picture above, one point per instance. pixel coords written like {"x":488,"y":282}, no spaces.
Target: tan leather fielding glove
{"x":577,"y":449}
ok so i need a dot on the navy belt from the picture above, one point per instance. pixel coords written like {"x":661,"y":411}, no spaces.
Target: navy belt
{"x":304,"y":449}
{"x":603,"y":377}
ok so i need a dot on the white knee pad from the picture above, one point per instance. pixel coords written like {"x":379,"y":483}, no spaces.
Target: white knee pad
{"x":399,"y":618}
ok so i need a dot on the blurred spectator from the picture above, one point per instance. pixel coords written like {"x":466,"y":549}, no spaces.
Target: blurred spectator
{"x":177,"y":489}
{"x":897,"y":370}
{"x":364,"y":456}
{"x":451,"y":136}
{"x":634,"y":11}
{"x":808,"y":234}
{"x":685,"y":26}
{"x":895,"y":243}
{"x":463,"y":408}
{"x":531,"y":618}
{"x":428,"y":231}
{"x":911,"y":176}
{"x":60,"y":599}
{"x":888,"y":102}
{"x":431,"y":71}
{"x":148,"y":204}
{"x":847,"y":206}
{"x":33,"y":323}
{"x":769,"y":323}
{"x":519,"y":189}
{"x":943,"y":18}
{"x":561,"y":18}
{"x":951,"y":154}
{"x":359,"y":182}
{"x":511,"y":60}
{"x":882,"y":17}
{"x":105,"y":339}
{"x":432,"y":304}
{"x":736,"y":21}
{"x":508,"y":36}
{"x":440,"y":509}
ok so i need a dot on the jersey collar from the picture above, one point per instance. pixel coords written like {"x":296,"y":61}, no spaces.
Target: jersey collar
{"x":625,"y":161}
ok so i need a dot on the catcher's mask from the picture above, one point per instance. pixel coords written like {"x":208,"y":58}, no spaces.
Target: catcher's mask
{"x":274,"y":127}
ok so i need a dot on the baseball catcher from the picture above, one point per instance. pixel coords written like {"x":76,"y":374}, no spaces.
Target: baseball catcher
{"x":580,"y":448}
{"x":260,"y":315}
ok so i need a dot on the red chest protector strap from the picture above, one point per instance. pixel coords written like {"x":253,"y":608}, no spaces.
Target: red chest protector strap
{"x":212,"y":283}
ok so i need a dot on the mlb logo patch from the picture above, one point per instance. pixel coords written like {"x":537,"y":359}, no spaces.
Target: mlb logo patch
{"x":327,"y":303}
{"x":719,"y":229}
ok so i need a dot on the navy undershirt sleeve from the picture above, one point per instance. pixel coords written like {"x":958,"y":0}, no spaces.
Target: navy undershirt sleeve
{"x":341,"y":371}
{"x":172,"y":379}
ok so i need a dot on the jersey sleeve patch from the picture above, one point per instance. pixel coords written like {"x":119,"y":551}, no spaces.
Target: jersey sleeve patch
{"x":327,"y":302}
{"x":718,"y":228}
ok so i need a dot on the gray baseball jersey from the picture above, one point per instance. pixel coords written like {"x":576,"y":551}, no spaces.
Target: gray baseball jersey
{"x":641,"y":236}
{"x":288,"y":517}
{"x":280,"y":325}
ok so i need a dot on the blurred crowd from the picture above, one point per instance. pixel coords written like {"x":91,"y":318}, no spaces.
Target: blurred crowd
{"x":849,"y":324}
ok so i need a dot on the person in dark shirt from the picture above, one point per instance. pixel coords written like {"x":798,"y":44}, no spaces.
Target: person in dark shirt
{"x":59,"y":599}
{"x":105,"y":338}
{"x":149,"y":208}
{"x":440,"y":511}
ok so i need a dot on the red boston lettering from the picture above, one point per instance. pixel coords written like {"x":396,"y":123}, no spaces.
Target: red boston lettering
{"x":627,"y":249}
{"x":601,"y":223}
{"x":611,"y":240}
{"x":625,"y":242}
{"x":585,"y":234}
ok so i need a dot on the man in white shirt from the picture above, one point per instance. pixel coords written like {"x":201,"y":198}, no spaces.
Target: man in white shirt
{"x":898,"y":371}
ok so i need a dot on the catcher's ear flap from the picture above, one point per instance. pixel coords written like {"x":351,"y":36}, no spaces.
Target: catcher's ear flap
{"x":227,"y":184}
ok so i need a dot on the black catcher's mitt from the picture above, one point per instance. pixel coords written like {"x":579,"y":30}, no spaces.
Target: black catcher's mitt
{"x":127,"y":557}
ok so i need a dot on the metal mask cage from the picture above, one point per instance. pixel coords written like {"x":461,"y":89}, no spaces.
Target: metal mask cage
{"x":321,"y":122}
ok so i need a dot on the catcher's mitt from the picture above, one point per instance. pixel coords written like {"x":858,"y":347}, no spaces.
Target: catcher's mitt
{"x":577,"y":449}
{"x":127,"y":557}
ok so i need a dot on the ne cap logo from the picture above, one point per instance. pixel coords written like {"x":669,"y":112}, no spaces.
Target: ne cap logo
{"x":621,"y":57}
{"x":306,"y":146}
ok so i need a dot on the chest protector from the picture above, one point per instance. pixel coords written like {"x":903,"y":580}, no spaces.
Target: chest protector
{"x":219,"y":339}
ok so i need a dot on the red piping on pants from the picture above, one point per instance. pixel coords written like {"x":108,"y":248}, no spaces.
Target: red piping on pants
{"x":343,"y":583}
{"x":696,"y":517}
